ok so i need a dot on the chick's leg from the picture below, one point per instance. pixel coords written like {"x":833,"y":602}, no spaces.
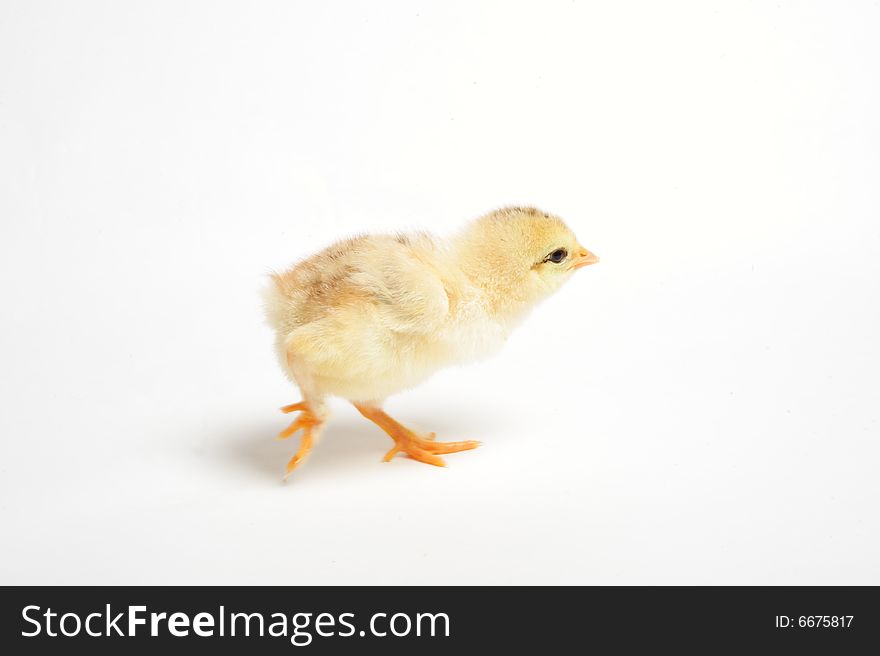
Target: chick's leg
{"x":310,"y":422}
{"x":423,"y":449}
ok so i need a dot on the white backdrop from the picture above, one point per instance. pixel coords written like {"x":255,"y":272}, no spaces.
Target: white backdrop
{"x":700,"y":408}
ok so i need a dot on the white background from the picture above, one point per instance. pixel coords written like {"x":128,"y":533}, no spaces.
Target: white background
{"x":700,"y":408}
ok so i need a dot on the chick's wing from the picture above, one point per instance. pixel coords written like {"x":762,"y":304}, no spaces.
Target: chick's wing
{"x":360,"y":308}
{"x":402,"y":287}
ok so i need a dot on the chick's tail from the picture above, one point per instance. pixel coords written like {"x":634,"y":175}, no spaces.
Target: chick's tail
{"x":276,"y":301}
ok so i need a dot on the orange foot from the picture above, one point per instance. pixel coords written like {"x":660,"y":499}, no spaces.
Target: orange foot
{"x":307,"y":421}
{"x":423,"y":449}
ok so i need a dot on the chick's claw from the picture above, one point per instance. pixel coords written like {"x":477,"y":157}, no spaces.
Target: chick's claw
{"x":307,"y":422}
{"x":305,"y":447}
{"x":417,"y":448}
{"x":423,"y":449}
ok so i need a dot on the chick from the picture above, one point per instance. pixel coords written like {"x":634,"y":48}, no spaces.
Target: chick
{"x":376,"y":314}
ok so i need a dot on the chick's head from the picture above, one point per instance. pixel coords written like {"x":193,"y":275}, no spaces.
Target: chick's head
{"x":521,"y":255}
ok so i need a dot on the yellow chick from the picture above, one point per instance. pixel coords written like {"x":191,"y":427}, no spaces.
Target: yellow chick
{"x":376,"y":314}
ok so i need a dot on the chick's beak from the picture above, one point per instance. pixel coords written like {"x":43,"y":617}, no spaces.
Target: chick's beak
{"x":583,"y":258}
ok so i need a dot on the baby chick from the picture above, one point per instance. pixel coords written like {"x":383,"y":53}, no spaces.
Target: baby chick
{"x":376,"y":314}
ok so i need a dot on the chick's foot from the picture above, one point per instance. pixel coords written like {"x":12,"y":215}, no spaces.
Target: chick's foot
{"x":308,"y":423}
{"x":423,"y":449}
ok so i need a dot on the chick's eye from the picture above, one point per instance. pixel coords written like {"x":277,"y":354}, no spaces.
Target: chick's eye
{"x":558,"y":255}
